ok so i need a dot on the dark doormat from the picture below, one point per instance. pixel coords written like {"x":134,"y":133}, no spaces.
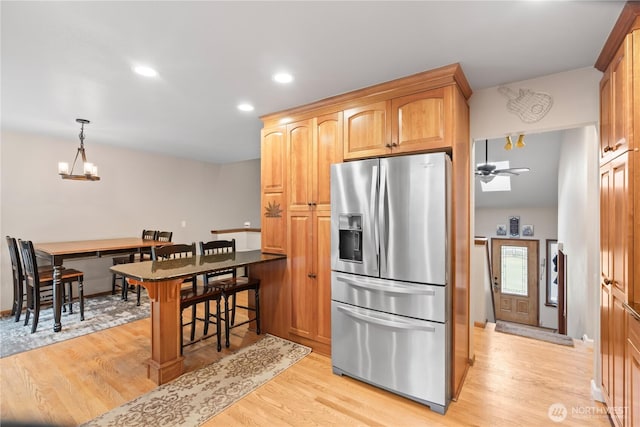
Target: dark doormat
{"x":534,"y":333}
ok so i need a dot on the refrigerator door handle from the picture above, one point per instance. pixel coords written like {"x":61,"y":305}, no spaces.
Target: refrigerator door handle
{"x":380,"y":320}
{"x":383,"y":202}
{"x":396,"y":289}
{"x":373,"y":201}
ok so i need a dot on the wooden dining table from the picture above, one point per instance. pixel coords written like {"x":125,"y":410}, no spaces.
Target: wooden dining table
{"x":57,"y":252}
{"x":163,"y":280}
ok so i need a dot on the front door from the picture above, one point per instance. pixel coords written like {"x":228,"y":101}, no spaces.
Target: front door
{"x":515,"y":280}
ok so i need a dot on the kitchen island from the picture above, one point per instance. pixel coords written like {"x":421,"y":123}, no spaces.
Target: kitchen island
{"x":163,"y":280}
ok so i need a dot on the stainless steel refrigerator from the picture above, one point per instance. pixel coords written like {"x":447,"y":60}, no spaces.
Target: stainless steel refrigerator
{"x":390,"y":261}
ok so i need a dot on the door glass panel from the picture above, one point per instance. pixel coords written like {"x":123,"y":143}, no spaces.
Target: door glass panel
{"x":514,"y":270}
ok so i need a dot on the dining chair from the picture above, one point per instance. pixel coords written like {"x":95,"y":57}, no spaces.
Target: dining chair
{"x":216,"y":278}
{"x":164,"y":236}
{"x":39,"y":285}
{"x":231,"y":286}
{"x":192,"y":295}
{"x":18,"y":277}
{"x":129,"y":258}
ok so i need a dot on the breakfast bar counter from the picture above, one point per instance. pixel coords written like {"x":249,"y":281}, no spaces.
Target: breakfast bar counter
{"x":163,"y":280}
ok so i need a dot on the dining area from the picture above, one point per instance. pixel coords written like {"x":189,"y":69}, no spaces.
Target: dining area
{"x":191,"y":291}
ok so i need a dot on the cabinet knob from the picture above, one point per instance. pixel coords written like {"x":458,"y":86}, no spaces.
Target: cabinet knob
{"x":607,"y":149}
{"x":388,"y":145}
{"x":309,"y":203}
{"x":395,"y":144}
{"x":608,"y":281}
{"x":311,"y":276}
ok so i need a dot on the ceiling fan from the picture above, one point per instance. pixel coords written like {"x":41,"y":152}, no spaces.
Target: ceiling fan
{"x":487,"y":171}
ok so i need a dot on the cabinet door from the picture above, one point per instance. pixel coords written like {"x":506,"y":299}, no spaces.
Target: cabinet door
{"x":620,"y":216}
{"x":618,"y":341}
{"x":328,"y":150}
{"x":274,"y":223}
{"x":322,"y":272}
{"x":605,"y":341}
{"x":367,"y":130}
{"x":303,"y":312}
{"x":633,"y":372}
{"x":300,"y":148}
{"x":606,"y":100}
{"x":619,"y":92}
{"x":273,"y":165}
{"x":606,"y":255}
{"x":273,"y":190}
{"x":418,"y":122}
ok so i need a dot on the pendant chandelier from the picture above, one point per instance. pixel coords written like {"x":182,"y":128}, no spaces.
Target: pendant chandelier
{"x":90,"y":171}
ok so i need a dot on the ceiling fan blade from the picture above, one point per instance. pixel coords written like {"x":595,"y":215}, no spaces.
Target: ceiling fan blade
{"x":510,"y":171}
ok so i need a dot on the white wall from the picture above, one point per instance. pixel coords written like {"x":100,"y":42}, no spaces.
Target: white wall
{"x":578,"y":228}
{"x":137,"y":190}
{"x":545,"y":226}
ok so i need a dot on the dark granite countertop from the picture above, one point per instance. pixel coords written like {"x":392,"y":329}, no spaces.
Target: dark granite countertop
{"x":157,"y":271}
{"x":634,"y":309}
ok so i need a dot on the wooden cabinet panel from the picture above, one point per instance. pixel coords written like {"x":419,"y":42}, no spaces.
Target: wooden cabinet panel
{"x":605,"y":340}
{"x":621,"y":217}
{"x":273,"y":190}
{"x":616,"y":222}
{"x":618,"y":346}
{"x":633,"y":372}
{"x":299,"y":136}
{"x":605,"y":224}
{"x":367,"y":130}
{"x":300,"y":258}
{"x":616,"y":103}
{"x":328,"y":150}
{"x":274,"y":224}
{"x":273,"y":172}
{"x":323,"y":275}
{"x":418,"y":122}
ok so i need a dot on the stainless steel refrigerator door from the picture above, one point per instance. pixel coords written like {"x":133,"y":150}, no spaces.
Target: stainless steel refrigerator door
{"x":354,"y":190}
{"x":403,"y":355}
{"x":416,"y":300}
{"x":413,"y":218}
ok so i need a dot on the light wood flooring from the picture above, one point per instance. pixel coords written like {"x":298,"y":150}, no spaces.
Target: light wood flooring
{"x":513,"y":383}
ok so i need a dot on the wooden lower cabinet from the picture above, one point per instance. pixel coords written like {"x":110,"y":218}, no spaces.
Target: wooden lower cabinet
{"x":310,"y":278}
{"x":633,"y":372}
{"x":613,"y":349}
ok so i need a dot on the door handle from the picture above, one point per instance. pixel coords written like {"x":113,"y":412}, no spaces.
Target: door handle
{"x":496,"y":285}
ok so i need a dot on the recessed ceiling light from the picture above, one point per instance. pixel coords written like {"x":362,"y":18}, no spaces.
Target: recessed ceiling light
{"x":143,"y":70}
{"x":245,"y":107}
{"x":283,"y":78}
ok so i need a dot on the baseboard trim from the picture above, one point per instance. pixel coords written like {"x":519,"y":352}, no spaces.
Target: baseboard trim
{"x":596,"y":392}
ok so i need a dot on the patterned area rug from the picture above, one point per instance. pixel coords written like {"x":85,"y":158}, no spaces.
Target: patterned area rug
{"x":197,"y":396}
{"x":535,"y":333}
{"x":100,"y":313}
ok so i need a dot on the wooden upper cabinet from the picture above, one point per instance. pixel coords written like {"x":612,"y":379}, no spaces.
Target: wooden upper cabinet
{"x":328,"y":150}
{"x":418,"y":122}
{"x":313,"y":146}
{"x":300,"y":148}
{"x":273,"y":149}
{"x":616,"y":103}
{"x":273,"y":190}
{"x":367,"y":130}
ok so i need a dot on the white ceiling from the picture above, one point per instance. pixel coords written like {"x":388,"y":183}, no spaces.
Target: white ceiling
{"x":537,"y":188}
{"x":64,"y":60}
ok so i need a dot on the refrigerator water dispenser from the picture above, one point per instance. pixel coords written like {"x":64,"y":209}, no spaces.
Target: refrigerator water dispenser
{"x":350,"y":227}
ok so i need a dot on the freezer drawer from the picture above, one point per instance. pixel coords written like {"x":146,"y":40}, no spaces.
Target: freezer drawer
{"x":406,"y":356}
{"x":421,"y":301}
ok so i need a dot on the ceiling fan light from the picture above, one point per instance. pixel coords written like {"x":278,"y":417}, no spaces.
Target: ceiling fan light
{"x":486,"y":178}
{"x":520,"y":142}
{"x":509,"y":145}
